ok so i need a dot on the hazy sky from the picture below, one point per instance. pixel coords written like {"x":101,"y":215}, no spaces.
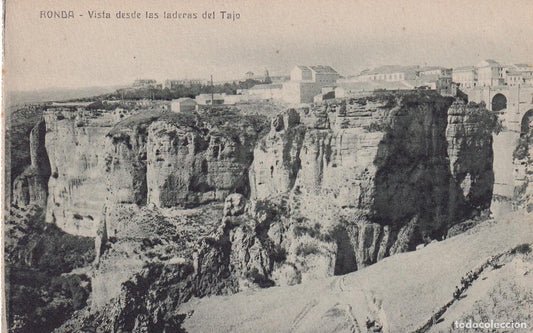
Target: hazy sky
{"x":348,"y":35}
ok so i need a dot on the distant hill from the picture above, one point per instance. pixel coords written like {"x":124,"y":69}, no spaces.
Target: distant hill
{"x":54,"y":94}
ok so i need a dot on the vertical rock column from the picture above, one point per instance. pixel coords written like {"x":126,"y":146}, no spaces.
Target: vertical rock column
{"x":30,"y":188}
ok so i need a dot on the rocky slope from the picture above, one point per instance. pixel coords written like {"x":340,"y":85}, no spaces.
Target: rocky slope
{"x":45,"y":272}
{"x":374,"y":300}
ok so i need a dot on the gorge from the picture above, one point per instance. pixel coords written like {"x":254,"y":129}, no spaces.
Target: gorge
{"x":189,"y":205}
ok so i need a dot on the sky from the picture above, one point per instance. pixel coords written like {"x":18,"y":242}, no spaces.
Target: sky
{"x":276,"y":35}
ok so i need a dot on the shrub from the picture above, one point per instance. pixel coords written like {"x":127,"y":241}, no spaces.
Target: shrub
{"x":521,"y":150}
{"x":377,"y":127}
{"x":522,"y":248}
{"x":307,"y":249}
{"x":258,"y":278}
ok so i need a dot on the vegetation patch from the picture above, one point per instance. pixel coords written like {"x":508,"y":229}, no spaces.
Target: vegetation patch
{"x":307,"y":249}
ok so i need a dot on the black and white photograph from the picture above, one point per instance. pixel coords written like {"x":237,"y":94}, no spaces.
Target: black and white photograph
{"x":267,"y":166}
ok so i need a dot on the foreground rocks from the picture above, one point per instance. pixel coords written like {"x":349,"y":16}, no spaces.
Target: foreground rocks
{"x":46,"y":280}
{"x":388,"y":295}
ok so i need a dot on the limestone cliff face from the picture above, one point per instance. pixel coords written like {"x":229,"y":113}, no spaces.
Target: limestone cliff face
{"x":469,"y":136}
{"x":99,"y":168}
{"x":277,"y":157}
{"x":125,"y":169}
{"x":30,"y":188}
{"x":326,"y":191}
{"x":523,"y":165}
{"x":175,"y":160}
{"x":381,"y":174}
{"x":75,"y":142}
{"x":188,"y":166}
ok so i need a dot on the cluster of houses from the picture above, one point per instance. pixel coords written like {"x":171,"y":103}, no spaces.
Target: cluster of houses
{"x":170,"y":84}
{"x":489,"y":73}
{"x":314,"y":84}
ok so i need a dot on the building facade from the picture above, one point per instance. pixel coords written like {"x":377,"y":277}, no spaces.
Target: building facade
{"x":144,"y":83}
{"x":266,"y":91}
{"x":466,"y":77}
{"x":489,"y":73}
{"x":391,"y":73}
{"x":183,"y":105}
{"x":519,"y":74}
{"x":205,"y":99}
{"x":307,"y":81}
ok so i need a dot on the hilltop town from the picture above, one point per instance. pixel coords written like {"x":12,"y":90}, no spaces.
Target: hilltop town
{"x":315,"y":84}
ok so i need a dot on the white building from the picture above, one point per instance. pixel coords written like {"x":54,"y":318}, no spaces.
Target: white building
{"x":144,"y":83}
{"x":519,"y":74}
{"x":390,"y":73}
{"x":466,"y":77}
{"x":205,"y":99}
{"x":183,"y":105}
{"x":306,"y":82}
{"x":234,"y":99}
{"x":489,"y":73}
{"x":266,"y":91}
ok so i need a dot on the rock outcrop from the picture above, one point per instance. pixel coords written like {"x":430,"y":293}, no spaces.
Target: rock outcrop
{"x":523,"y":165}
{"x":31,"y":188}
{"x":157,"y":158}
{"x":188,"y":165}
{"x":177,"y":160}
{"x":386,"y":173}
{"x":75,"y":142}
{"x":469,"y":136}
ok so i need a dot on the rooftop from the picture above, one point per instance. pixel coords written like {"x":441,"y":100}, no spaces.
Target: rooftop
{"x":388,"y":69}
{"x":488,"y":63}
{"x":323,"y":69}
{"x":464,"y":69}
{"x":431,"y":68}
{"x":375,"y":85}
{"x":71,"y":104}
{"x":320,"y":69}
{"x":208,"y":96}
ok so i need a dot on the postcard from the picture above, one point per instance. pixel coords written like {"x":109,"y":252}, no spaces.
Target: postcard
{"x":267,"y":166}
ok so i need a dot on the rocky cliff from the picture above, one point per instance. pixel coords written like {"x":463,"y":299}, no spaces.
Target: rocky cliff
{"x":469,"y":136}
{"x":323,"y":191}
{"x":332,"y":190}
{"x":378,"y":175}
{"x":75,"y":143}
{"x":523,"y":165}
{"x":178,"y":160}
{"x":154,"y":158}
